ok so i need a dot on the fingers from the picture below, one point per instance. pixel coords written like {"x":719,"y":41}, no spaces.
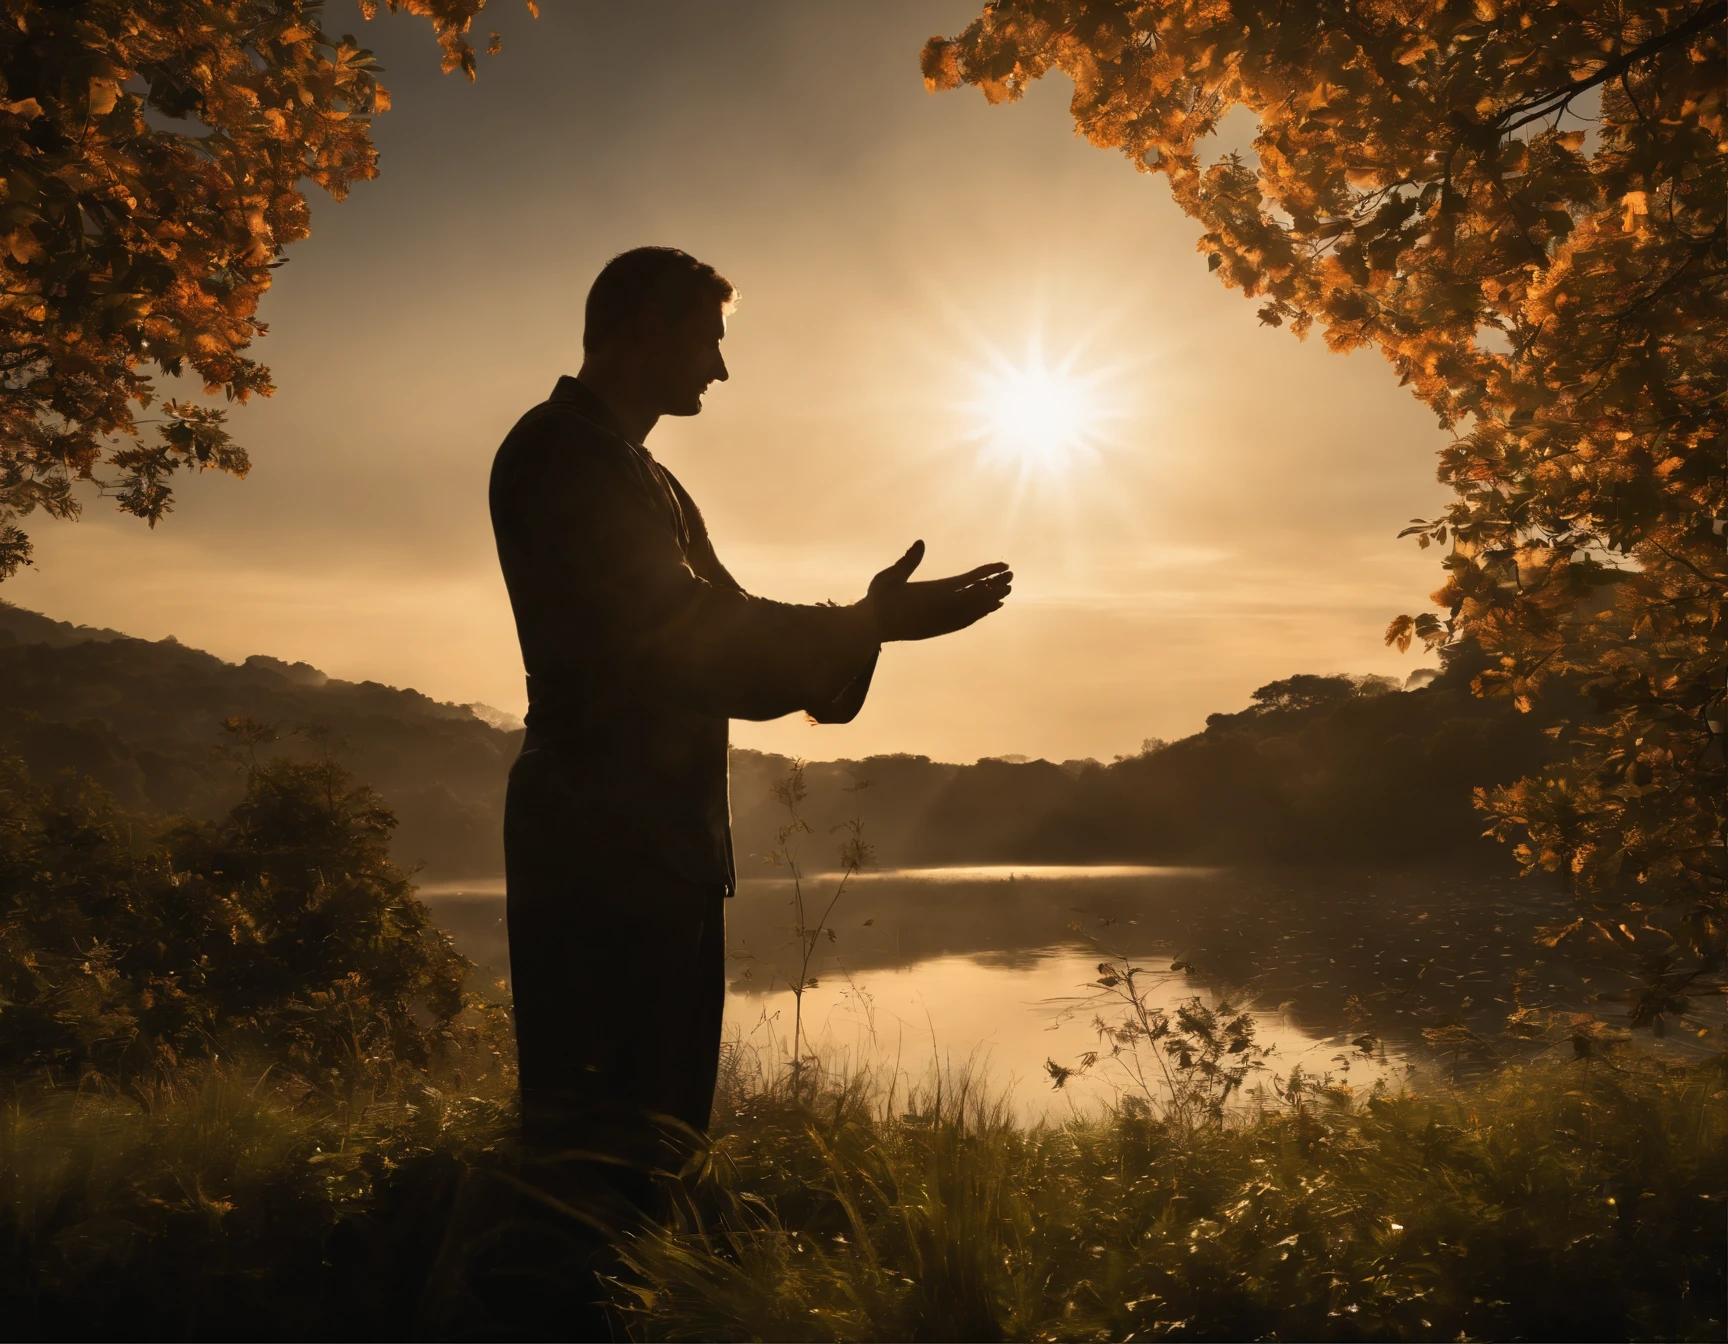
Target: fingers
{"x":896,"y":574}
{"x":970,"y":614}
{"x":901,"y":569}
{"x":996,"y":581}
{"x":970,"y":605}
{"x":935,"y":611}
{"x":937,"y":606}
{"x":996,"y":572}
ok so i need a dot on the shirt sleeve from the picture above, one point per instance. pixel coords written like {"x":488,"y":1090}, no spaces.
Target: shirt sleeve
{"x":844,"y":707}
{"x":706,"y":564}
{"x":598,"y":532}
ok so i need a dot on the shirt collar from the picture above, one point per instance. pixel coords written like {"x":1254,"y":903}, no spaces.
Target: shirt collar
{"x":571,"y":392}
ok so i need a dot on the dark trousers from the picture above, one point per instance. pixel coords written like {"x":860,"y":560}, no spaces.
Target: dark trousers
{"x":618,"y":970}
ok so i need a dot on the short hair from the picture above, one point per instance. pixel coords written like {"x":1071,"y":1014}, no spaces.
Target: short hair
{"x":649,"y":277}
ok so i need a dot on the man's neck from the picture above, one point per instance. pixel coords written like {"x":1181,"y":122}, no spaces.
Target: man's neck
{"x":628,"y":406}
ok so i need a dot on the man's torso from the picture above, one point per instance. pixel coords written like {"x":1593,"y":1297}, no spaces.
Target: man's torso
{"x":652,"y":767}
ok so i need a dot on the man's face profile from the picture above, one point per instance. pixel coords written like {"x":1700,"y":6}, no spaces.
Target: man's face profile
{"x":681,"y":351}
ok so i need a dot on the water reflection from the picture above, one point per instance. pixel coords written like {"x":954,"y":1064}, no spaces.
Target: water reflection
{"x":1002,"y":1018}
{"x":954,"y":965}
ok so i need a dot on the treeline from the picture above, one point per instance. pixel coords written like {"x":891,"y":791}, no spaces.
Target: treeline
{"x":1315,"y":769}
{"x":279,"y":932}
{"x":144,"y":719}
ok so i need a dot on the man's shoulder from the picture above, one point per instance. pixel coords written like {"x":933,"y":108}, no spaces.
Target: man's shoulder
{"x":556,"y":435}
{"x":557,"y":421}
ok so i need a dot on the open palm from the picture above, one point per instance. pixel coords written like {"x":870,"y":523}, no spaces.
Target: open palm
{"x":907,"y":610}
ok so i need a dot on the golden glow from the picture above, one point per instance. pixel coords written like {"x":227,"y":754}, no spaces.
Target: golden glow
{"x":1038,"y":417}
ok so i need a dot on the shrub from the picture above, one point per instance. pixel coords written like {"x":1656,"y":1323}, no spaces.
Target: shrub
{"x":282,"y":931}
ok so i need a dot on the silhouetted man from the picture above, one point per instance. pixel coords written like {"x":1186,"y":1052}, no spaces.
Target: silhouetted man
{"x":639,"y":646}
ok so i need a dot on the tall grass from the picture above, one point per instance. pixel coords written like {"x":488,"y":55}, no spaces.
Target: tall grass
{"x":1575,"y":1201}
{"x":809,"y":927}
{"x":1581,"y":1200}
{"x":228,"y":1203}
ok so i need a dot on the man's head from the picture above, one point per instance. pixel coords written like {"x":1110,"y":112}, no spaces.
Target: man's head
{"x":655,"y":318}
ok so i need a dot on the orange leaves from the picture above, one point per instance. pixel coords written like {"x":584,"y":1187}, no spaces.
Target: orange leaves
{"x":23,"y":248}
{"x":940,"y":64}
{"x":1405,"y":629}
{"x":1417,"y":185}
{"x":104,"y":93}
{"x":1420,"y":45}
{"x":452,"y":20}
{"x":127,"y":241}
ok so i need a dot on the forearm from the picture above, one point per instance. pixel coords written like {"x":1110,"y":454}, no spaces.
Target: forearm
{"x":748,"y":658}
{"x":844,"y":707}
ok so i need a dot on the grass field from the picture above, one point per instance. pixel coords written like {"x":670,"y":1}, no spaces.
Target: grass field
{"x":1575,"y":1200}
{"x":1570,"y":1201}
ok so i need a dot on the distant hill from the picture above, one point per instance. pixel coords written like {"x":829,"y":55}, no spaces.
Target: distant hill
{"x":144,"y":719}
{"x":1315,"y":770}
{"x":18,"y":626}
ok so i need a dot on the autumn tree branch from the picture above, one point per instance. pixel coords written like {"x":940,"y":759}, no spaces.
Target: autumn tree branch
{"x":1557,"y":100}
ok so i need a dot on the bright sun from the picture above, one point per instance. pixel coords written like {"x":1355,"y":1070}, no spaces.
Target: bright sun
{"x":1035,"y":416}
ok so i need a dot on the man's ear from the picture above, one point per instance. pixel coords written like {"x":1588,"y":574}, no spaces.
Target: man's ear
{"x":648,"y":329}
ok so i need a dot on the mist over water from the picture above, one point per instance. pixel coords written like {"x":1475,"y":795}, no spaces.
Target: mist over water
{"x":994,"y":968}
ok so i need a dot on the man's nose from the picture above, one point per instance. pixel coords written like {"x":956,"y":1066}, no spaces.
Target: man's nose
{"x":720,"y":374}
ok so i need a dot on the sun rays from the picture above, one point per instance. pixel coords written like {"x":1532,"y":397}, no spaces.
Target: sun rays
{"x":1036,"y":416}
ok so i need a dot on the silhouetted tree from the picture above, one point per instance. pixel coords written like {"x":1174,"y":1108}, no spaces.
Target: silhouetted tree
{"x":1416,"y":185}
{"x":1304,"y":691}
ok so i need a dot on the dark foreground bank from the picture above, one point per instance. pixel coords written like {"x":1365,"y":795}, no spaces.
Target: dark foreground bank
{"x":1574,"y":1200}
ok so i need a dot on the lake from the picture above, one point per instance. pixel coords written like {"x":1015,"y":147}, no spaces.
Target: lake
{"x":994,"y":968}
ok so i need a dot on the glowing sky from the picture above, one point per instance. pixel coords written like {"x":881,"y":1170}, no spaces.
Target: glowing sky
{"x":1230,"y":516}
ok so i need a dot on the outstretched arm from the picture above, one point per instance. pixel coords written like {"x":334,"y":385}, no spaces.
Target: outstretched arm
{"x":594,"y":526}
{"x":598,"y":536}
{"x":706,"y":564}
{"x":906,"y":610}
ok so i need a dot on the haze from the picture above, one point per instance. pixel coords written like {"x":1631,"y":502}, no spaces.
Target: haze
{"x":1236,"y":523}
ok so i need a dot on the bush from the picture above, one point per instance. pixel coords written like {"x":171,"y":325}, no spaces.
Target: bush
{"x":281,"y":932}
{"x":245,"y":1090}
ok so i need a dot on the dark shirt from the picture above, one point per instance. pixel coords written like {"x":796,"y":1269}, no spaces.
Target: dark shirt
{"x":639,"y":646}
